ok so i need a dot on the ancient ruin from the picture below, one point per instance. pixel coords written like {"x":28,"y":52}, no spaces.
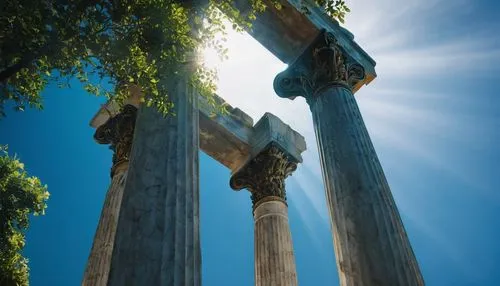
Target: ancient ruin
{"x":148,"y":233}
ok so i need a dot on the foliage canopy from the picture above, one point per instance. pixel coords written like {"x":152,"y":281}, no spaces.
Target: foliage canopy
{"x":20,"y":196}
{"x":108,"y":45}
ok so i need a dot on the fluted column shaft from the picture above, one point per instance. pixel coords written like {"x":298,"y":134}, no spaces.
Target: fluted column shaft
{"x":264,"y":176}
{"x":274,"y":257}
{"x":117,"y":131}
{"x":157,"y":238}
{"x":370,"y":242}
{"x":97,"y":269}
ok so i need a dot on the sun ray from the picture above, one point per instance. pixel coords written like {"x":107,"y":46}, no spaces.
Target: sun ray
{"x":445,"y":245}
{"x":406,"y":108}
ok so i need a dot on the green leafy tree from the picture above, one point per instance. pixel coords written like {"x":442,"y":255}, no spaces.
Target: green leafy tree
{"x":20,"y":196}
{"x":109,"y":45}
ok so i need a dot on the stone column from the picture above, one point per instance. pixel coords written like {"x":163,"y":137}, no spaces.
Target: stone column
{"x":371,"y":245}
{"x":157,"y":238}
{"x":264,"y":176}
{"x":117,"y":131}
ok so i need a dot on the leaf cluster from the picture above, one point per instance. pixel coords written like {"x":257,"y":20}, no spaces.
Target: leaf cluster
{"x":20,"y":196}
{"x":110,"y":45}
{"x":336,"y":9}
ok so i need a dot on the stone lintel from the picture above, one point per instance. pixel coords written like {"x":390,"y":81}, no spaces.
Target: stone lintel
{"x":271,"y":130}
{"x":231,"y":138}
{"x":225,"y":137}
{"x":288,"y":32}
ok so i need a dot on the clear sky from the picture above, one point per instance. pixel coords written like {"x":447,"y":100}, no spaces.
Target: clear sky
{"x":432,"y":113}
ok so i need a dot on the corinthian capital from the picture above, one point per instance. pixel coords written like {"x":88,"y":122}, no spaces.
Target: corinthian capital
{"x":323,"y":64}
{"x":118,"y":131}
{"x":264,"y":176}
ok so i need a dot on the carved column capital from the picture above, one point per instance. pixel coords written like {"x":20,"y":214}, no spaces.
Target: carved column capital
{"x":118,"y":131}
{"x":264,"y":176}
{"x":323,"y":64}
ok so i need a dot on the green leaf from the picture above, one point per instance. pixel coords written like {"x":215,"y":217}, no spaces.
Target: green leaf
{"x":21,"y":196}
{"x":123,"y":42}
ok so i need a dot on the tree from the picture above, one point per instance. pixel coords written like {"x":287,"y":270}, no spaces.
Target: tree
{"x":109,"y":45}
{"x":20,"y":196}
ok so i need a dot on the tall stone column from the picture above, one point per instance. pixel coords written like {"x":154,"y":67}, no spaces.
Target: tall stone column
{"x":264,"y":176}
{"x":117,"y":131}
{"x":157,"y":238}
{"x":371,"y":245}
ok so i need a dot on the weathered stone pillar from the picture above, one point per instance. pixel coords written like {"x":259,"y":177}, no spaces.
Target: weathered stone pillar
{"x":371,"y":244}
{"x":157,"y":238}
{"x":264,"y":176}
{"x":117,"y":131}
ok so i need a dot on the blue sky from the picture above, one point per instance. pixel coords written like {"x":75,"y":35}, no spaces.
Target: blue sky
{"x":432,"y":114}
